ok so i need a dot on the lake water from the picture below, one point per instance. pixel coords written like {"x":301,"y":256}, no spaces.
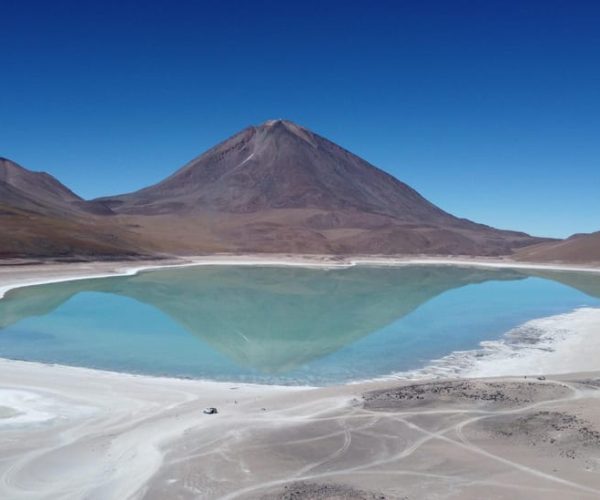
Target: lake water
{"x":280,"y":324}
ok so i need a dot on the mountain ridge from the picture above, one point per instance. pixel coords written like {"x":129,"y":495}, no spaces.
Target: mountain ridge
{"x":42,"y":190}
{"x":274,"y":187}
{"x":41,"y":217}
{"x":581,"y":248}
{"x":248,"y":145}
{"x":279,"y":181}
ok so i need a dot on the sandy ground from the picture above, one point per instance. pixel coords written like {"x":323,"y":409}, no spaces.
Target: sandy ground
{"x":78,"y":433}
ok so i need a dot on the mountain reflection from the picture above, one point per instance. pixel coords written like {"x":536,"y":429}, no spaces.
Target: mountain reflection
{"x":269,"y":319}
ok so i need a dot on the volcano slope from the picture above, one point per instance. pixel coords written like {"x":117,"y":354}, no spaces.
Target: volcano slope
{"x":279,"y":187}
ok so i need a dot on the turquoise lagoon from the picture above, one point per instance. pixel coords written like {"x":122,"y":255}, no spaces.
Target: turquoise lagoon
{"x":280,"y":325}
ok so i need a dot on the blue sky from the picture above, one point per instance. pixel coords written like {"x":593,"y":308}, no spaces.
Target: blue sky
{"x":490,"y":109}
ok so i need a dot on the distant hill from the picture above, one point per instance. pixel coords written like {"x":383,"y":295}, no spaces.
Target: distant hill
{"x":39,"y":191}
{"x":279,"y":187}
{"x":41,"y":217}
{"x":579,"y":248}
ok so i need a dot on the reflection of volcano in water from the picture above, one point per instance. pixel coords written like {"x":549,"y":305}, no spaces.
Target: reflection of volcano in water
{"x":275,"y":319}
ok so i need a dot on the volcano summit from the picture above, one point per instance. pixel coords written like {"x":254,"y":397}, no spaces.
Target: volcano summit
{"x":276,"y":187}
{"x":280,"y":187}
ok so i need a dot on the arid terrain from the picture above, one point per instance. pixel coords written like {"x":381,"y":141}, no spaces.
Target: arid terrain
{"x":102,"y":435}
{"x":280,"y":194}
{"x":39,"y":216}
{"x":272,"y":188}
{"x":284,"y":250}
{"x":580,"y":248}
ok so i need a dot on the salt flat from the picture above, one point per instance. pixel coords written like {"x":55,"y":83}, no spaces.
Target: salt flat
{"x":77,"y":433}
{"x":112,"y":435}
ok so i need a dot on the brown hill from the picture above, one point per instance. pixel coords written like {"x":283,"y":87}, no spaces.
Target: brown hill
{"x":41,"y":217}
{"x":279,"y":187}
{"x":579,"y":248}
{"x":24,"y":189}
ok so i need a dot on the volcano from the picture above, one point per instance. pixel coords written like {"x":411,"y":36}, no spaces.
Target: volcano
{"x":278,"y":187}
{"x":271,"y":188}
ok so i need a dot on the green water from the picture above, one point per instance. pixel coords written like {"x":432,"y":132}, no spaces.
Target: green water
{"x":278,"y":324}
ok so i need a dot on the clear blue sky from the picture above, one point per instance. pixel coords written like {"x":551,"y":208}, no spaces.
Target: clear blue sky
{"x":490,"y":109}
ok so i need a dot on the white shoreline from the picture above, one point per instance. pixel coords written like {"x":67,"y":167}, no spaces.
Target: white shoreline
{"x":309,"y":262}
{"x":82,"y":432}
{"x":432,"y":370}
{"x":550,"y":345}
{"x":558,"y":348}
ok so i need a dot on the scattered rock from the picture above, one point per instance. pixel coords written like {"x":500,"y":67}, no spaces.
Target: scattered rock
{"x":462,"y":393}
{"x":556,"y":432}
{"x":592,"y":383}
{"x":302,"y":490}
